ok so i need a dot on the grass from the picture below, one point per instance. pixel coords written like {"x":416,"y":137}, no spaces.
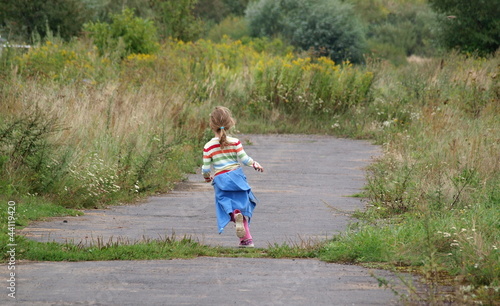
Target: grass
{"x":163,"y":248}
{"x":81,"y":130}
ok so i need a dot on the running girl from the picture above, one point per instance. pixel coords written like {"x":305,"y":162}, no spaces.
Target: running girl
{"x":234,"y":200}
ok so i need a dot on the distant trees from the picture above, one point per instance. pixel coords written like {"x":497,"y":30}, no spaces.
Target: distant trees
{"x":340,"y":29}
{"x":398,"y":29}
{"x":326,"y":27}
{"x":471,"y":26}
{"x":21,"y":19}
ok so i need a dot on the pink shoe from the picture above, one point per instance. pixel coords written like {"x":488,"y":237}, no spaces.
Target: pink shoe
{"x":240,"y":227}
{"x":247,"y":243}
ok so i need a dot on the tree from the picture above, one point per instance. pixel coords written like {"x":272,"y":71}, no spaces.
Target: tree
{"x":126,"y":34}
{"x":175,"y":19}
{"x":471,"y":26}
{"x":265,"y":18}
{"x":217,"y":10}
{"x":327,"y":27}
{"x":24,"y":18}
{"x":103,"y":9}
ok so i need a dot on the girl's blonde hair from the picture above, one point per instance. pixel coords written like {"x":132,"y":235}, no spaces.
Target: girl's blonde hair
{"x":221,"y":120}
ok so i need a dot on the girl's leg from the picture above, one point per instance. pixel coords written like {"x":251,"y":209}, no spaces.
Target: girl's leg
{"x":240,"y":227}
{"x":246,"y":241}
{"x":247,"y":230}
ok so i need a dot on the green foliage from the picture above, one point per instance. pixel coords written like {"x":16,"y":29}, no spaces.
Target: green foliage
{"x":274,"y":46}
{"x":127,"y":34}
{"x":398,"y":29}
{"x":218,"y":10}
{"x":55,"y":60}
{"x":232,"y":27}
{"x":165,"y":248}
{"x":26,"y":153}
{"x":317,"y":88}
{"x":176,"y":19}
{"x":327,"y":28}
{"x":391,"y":187}
{"x":25,"y":18}
{"x":306,"y":249}
{"x":103,"y":10}
{"x":27,"y":209}
{"x":7,"y":59}
{"x":471,"y":26}
{"x":265,"y":18}
{"x":410,"y":29}
{"x":363,"y":245}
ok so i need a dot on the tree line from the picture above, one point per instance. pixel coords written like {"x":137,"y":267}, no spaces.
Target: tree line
{"x":340,"y":29}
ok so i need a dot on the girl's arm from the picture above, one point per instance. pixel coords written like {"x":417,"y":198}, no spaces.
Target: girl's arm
{"x":247,"y":160}
{"x":206,"y":168}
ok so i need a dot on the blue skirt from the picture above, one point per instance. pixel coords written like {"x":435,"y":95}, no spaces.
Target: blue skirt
{"x":232,"y":192}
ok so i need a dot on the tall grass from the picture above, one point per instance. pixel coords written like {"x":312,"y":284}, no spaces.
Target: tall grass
{"x":437,"y":185}
{"x":94,"y":129}
{"x":83,"y":130}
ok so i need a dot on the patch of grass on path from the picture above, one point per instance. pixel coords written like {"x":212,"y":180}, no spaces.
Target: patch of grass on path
{"x":163,"y":248}
{"x":19,"y":212}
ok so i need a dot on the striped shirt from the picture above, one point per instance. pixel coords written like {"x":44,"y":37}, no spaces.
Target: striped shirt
{"x":223,"y":160}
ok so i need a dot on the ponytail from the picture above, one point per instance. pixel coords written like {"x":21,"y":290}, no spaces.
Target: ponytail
{"x":223,"y":138}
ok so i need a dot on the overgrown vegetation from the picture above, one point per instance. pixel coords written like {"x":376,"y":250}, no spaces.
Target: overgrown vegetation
{"x":434,"y":195}
{"x":126,"y":33}
{"x":398,"y":29}
{"x":326,"y":28}
{"x":83,"y":126}
{"x":479,"y":23}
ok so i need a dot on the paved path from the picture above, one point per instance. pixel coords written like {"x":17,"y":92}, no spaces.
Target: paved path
{"x":303,"y":193}
{"x":303,"y":197}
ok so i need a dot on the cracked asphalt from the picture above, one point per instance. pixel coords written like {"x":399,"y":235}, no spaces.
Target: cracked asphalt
{"x":305,"y":195}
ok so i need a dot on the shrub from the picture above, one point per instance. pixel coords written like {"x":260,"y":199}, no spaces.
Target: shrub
{"x":397,"y":29}
{"x":471,"y":26}
{"x":56,"y":61}
{"x":317,"y":87}
{"x":233,"y":27}
{"x":176,"y":19}
{"x":27,"y":156}
{"x":126,"y":35}
{"x":218,"y":10}
{"x":328,"y":28}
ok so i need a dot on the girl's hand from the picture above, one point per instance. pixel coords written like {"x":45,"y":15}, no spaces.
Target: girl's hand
{"x":208,"y":179}
{"x":257,"y":166}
